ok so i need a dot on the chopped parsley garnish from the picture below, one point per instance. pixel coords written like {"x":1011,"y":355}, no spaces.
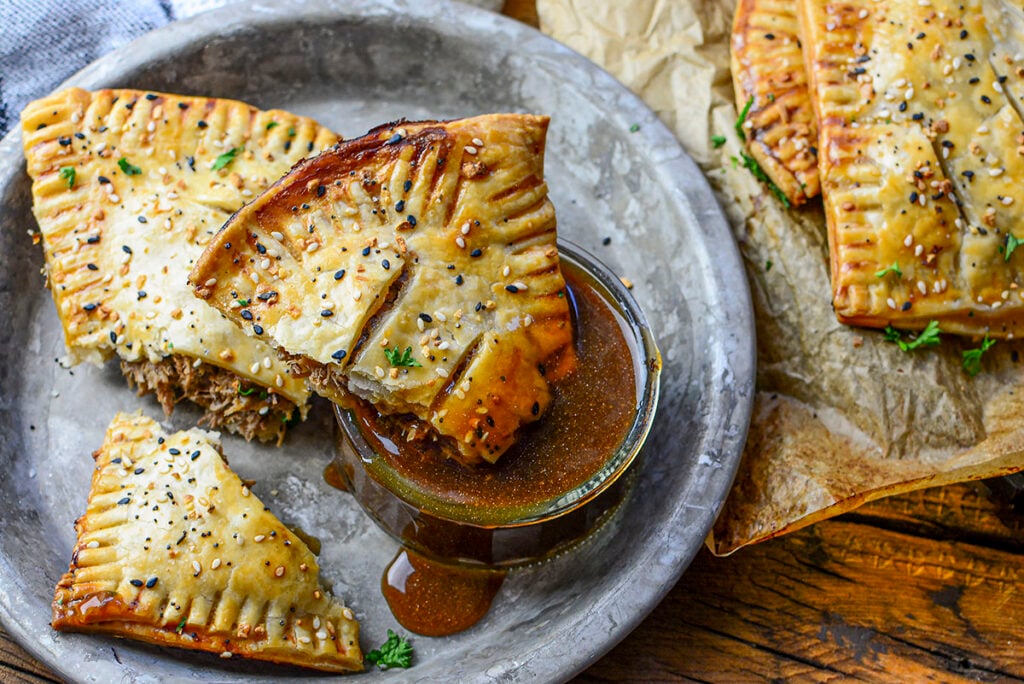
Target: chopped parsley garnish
{"x":68,"y":173}
{"x":634,"y":128}
{"x":398,"y":359}
{"x":751,"y":164}
{"x":246,"y":392}
{"x":927,"y":337}
{"x":895,"y":268}
{"x":768,"y":265}
{"x":242,"y":302}
{"x":181,"y":626}
{"x":225,"y":159}
{"x":743,"y":118}
{"x":1012,"y":243}
{"x":291,"y":131}
{"x":395,"y":652}
{"x":972,"y":357}
{"x":272,"y":124}
{"x":128,"y":167}
{"x":717,"y":141}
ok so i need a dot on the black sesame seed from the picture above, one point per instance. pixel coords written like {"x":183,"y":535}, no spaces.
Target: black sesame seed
{"x":174,"y":452}
{"x":124,"y":501}
{"x":126,"y":249}
{"x":986,"y":99}
{"x":963,"y":34}
{"x":906,"y":306}
{"x":150,"y":96}
{"x":326,"y":313}
{"x":141,"y":294}
{"x":260,"y":248}
{"x":393,"y":139}
{"x":320,"y":190}
{"x":64,"y":140}
{"x":903,"y":106}
{"x":202,"y":124}
{"x":113,"y":337}
{"x":411,"y":219}
{"x":194,"y":455}
{"x":769,"y":36}
{"x":607,"y":241}
{"x":917,"y":117}
{"x":182,"y":105}
{"x":479,"y":305}
{"x":265,"y":296}
{"x":89,"y":307}
{"x":386,"y":264}
{"x":512,"y":288}
{"x":914,"y":197}
{"x":93,"y":239}
{"x":339,"y":274}
{"x":407,"y":186}
{"x":258,"y":329}
{"x":947,"y":143}
{"x":80,"y":135}
{"x":426,"y":318}
{"x":969,"y":57}
{"x":535,"y":409}
{"x":458,"y":279}
{"x":366,"y":251}
{"x":135,"y":582}
{"x":246,"y":314}
{"x":339,"y":355}
{"x":475,"y":253}
{"x":399,"y":205}
{"x":92,"y":267}
{"x":143,"y":219}
{"x":969,"y":174}
{"x":151,"y":582}
{"x":139,"y":471}
{"x":920,"y":36}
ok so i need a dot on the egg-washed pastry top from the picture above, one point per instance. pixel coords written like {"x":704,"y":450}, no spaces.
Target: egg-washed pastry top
{"x":416,"y":268}
{"x":175,"y":550}
{"x":921,"y":162}
{"x":770,"y":82}
{"x":128,"y":186}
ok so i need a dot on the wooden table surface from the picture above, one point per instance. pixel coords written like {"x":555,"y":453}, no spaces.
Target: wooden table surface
{"x":922,"y":586}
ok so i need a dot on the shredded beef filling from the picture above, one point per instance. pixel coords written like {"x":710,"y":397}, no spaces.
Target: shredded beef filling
{"x":230,"y":402}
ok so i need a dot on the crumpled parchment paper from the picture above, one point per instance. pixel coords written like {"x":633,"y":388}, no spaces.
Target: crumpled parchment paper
{"x":841,"y":416}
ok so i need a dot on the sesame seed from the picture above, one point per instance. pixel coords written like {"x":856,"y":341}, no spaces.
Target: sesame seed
{"x":135,"y":582}
{"x":465,"y":228}
{"x":321,"y":635}
{"x":347,"y":612}
{"x":922,"y":287}
{"x":259,"y":537}
{"x":470,"y":149}
{"x":210,"y":283}
{"x":891,"y":302}
{"x":196,"y":567}
{"x":995,"y":172}
{"x":279,"y":572}
{"x":378,"y":371}
{"x":215,"y":564}
{"x":441,"y":372}
{"x":460,"y":242}
{"x":478,"y":142}
{"x":919,"y":250}
{"x":277,"y":236}
{"x":225,"y":654}
{"x":302,"y":639}
{"x":312,"y":247}
{"x":151,"y":582}
{"x":92,"y":545}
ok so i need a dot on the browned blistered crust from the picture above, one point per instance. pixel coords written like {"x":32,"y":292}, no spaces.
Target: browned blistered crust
{"x":768,"y":66}
{"x":174,"y":550}
{"x":431,"y":238}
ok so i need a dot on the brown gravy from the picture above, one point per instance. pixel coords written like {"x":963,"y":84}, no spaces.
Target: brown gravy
{"x":434,"y":599}
{"x":591,"y":412}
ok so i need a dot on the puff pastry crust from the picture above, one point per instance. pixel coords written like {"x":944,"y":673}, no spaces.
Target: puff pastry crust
{"x":432,"y":237}
{"x":768,"y":66}
{"x":174,"y":550}
{"x":126,"y":194}
{"x":920,"y":162}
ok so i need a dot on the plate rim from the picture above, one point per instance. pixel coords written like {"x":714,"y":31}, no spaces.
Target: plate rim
{"x":739,"y":356}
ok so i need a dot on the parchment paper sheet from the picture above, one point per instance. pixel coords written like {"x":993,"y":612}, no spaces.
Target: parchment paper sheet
{"x":841,"y":416}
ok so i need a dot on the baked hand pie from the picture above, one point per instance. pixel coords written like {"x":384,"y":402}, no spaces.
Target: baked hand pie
{"x":175,"y":550}
{"x":921,"y":159}
{"x":771,"y":91}
{"x":415,"y":268}
{"x":128,"y":186}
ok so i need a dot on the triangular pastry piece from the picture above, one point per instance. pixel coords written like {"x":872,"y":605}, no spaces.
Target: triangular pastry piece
{"x":128,"y":187}
{"x":174,"y":550}
{"x":768,"y":73}
{"x":921,"y":162}
{"x":415,"y":268}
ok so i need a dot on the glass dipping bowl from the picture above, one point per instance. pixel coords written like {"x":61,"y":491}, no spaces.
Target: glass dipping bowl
{"x":502,"y":536}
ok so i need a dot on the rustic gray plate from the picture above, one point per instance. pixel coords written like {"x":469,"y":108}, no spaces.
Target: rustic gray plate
{"x":352,"y":64}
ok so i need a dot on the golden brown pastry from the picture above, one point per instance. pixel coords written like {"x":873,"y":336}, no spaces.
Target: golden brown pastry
{"x":128,"y":186}
{"x":175,"y":550}
{"x":768,"y":72}
{"x":920,"y":164}
{"x":415,"y":268}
